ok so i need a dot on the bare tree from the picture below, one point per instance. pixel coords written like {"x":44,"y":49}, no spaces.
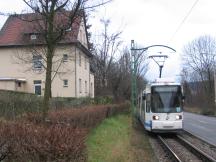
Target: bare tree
{"x":112,"y":72}
{"x":119,"y":76}
{"x":53,"y":30}
{"x":199,"y":61}
{"x":104,"y":54}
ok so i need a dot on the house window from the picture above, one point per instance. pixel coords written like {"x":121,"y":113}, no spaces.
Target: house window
{"x":33,"y":36}
{"x":80,"y":85}
{"x":85,"y":86}
{"x":65,"y":83}
{"x":37,"y":81}
{"x":80,"y":59}
{"x":65,"y":57}
{"x":37,"y":62}
{"x":19,"y":84}
{"x":69,"y":29}
{"x":37,"y":87}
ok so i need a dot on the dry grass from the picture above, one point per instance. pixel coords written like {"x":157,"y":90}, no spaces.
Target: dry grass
{"x":191,"y":109}
{"x":203,"y":111}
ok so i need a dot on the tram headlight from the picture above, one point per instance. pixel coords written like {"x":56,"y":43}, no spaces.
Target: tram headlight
{"x":178,"y":117}
{"x":155,"y":117}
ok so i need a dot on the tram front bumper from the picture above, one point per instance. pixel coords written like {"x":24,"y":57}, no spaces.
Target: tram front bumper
{"x":167,"y":125}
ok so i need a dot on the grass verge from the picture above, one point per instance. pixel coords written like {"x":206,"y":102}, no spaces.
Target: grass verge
{"x":115,"y":140}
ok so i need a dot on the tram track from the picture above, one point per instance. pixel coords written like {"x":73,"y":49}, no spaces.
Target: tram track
{"x":181,"y":150}
{"x":205,"y":146}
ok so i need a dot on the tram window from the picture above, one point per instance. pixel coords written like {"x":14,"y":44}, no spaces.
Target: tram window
{"x":148,"y":102}
{"x":166,"y":99}
{"x":139,"y":102}
{"x":143,"y":105}
{"x":144,"y":97}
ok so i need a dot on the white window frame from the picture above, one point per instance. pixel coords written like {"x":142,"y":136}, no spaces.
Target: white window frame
{"x":36,"y":85}
{"x":65,"y":83}
{"x":37,"y":62}
{"x":33,"y":36}
{"x":65,"y":57}
{"x":69,"y":29}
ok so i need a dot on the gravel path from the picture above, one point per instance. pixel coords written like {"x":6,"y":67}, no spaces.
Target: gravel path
{"x":183,"y":153}
{"x":202,"y":145}
{"x":162,"y":156}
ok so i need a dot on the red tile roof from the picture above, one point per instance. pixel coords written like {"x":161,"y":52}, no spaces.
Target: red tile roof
{"x":16,"y":31}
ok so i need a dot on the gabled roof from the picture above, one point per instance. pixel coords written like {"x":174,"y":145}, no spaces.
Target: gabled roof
{"x":16,"y":30}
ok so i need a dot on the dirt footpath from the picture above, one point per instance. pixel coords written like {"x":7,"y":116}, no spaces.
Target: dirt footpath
{"x":141,"y":148}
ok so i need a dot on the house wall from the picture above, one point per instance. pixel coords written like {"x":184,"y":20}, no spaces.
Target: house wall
{"x":14,"y":68}
{"x":82,"y":74}
{"x":69,"y":70}
{"x":12,"y":85}
{"x":82,"y":34}
{"x":66,"y":71}
{"x":7,"y":85}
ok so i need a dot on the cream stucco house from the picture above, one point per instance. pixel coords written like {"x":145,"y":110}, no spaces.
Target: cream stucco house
{"x":72,"y":76}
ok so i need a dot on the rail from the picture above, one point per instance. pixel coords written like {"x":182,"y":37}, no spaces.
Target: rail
{"x":187,"y":145}
{"x":169,"y":149}
{"x":196,"y":150}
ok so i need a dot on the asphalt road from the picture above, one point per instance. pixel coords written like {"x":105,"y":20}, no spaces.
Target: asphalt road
{"x":201,"y":126}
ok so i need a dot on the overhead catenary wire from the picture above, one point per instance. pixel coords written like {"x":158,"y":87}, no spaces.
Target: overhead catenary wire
{"x":184,"y":19}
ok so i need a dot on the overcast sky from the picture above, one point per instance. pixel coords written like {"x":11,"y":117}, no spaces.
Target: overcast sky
{"x":150,"y":22}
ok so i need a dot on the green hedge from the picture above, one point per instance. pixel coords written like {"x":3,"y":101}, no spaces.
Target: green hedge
{"x":16,"y":103}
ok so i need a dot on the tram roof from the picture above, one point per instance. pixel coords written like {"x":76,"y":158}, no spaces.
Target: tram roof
{"x":161,"y":82}
{"x":165,"y":81}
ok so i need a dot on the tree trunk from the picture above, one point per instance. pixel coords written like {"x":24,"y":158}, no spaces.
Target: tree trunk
{"x":47,"y":93}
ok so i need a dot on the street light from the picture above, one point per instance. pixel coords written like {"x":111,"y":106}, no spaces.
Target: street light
{"x":159,"y":62}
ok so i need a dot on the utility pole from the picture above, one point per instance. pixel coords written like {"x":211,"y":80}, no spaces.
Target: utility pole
{"x":133,"y":77}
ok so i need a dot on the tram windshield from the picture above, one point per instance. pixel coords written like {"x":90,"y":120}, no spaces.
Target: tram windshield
{"x":166,"y":99}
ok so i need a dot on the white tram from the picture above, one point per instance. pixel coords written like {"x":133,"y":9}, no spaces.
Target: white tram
{"x":160,"y":106}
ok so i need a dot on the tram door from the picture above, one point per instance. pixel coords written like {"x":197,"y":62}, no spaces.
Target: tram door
{"x":139,"y":107}
{"x":142,"y":110}
{"x":147,"y":112}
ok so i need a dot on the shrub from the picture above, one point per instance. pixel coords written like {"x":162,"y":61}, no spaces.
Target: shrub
{"x":208,"y":112}
{"x":30,"y":142}
{"x":13,"y":103}
{"x":69,"y":102}
{"x":60,"y":138}
{"x":103,"y":100}
{"x":86,"y":117}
